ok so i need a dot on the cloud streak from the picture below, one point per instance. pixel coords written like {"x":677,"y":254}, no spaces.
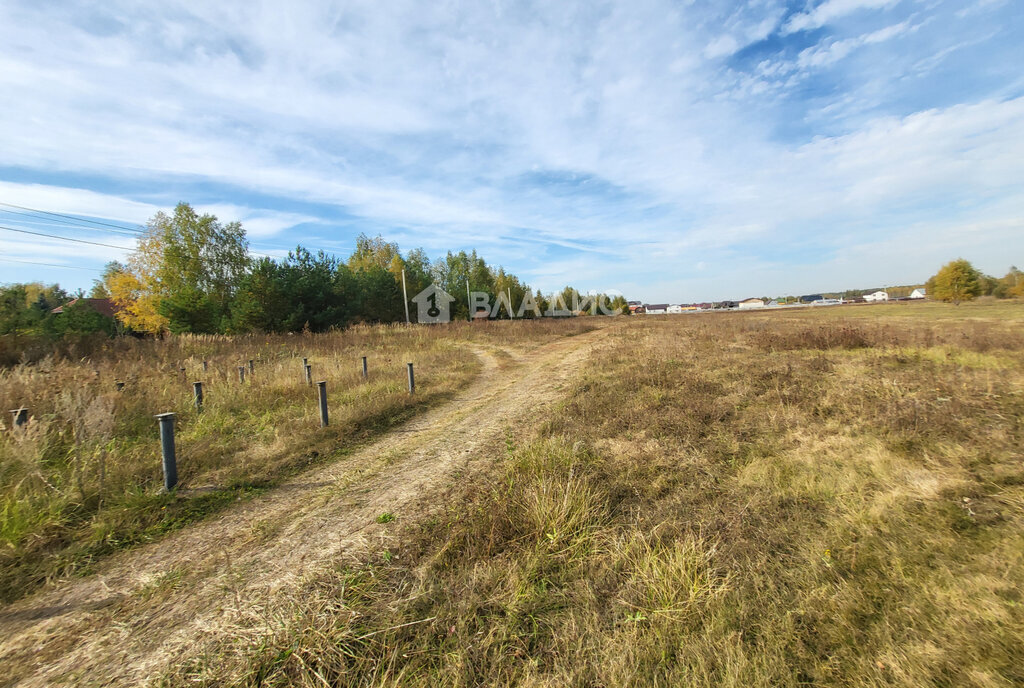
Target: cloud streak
{"x":609,"y":140}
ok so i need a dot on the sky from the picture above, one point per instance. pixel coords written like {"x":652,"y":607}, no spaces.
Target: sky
{"x":673,"y":151}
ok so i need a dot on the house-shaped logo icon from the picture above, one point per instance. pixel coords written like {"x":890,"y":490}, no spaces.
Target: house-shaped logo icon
{"x":433,"y":305}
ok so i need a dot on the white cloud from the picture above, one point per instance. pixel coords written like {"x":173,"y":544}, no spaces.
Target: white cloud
{"x":76,"y":202}
{"x":721,"y":46}
{"x":833,"y":51}
{"x":569,"y":129}
{"x":258,"y":223}
{"x":829,"y":11}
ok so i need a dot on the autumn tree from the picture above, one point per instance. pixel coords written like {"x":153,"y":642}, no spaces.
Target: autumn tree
{"x":1012,"y":285}
{"x":374,"y":252}
{"x":182,"y":275}
{"x":957,"y":281}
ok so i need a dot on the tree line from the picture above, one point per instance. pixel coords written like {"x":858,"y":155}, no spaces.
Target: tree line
{"x":191,"y":273}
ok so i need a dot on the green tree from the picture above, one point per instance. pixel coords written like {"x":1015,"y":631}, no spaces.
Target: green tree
{"x":620,"y":303}
{"x":79,"y":318}
{"x":319,"y":292}
{"x":261,"y":303}
{"x":182,"y":275}
{"x":379,"y":296}
{"x":14,"y":315}
{"x":372,"y":252}
{"x":956,"y":281}
{"x":201,"y":264}
{"x":417,"y":271}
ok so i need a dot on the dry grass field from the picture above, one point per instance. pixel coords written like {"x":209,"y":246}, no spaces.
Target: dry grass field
{"x":718,"y":500}
{"x":829,"y":496}
{"x":83,"y":478}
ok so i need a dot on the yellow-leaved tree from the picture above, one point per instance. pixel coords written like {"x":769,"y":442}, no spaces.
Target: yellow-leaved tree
{"x":956,"y":281}
{"x":135,"y":287}
{"x":182,"y":275}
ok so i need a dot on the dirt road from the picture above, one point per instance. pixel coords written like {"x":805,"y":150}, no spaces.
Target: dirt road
{"x":152,"y":605}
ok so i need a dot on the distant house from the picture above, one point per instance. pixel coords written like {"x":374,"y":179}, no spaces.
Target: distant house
{"x":877,"y":296}
{"x":704,"y":306}
{"x":726,"y":304}
{"x":917,"y":293}
{"x":751,"y":303}
{"x":675,"y":309}
{"x":773,"y":303}
{"x":657,"y":308}
{"x":811,"y":298}
{"x":102,"y":306}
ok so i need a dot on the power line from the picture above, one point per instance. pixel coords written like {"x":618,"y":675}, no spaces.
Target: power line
{"x":61,"y":222}
{"x":133,"y":232}
{"x":49,"y":265}
{"x":54,"y":236}
{"x":70,"y":217}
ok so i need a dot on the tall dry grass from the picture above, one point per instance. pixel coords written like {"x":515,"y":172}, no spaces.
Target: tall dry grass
{"x":715,"y":503}
{"x":84,"y":479}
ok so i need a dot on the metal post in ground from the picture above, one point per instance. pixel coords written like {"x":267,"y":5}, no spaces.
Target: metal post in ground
{"x":309,"y":375}
{"x":19,"y":416}
{"x":252,"y":366}
{"x":197,"y":388}
{"x":366,"y":372}
{"x":241,"y":374}
{"x":170,"y":462}
{"x":206,"y":365}
{"x":412,"y":380}
{"x":321,"y":390}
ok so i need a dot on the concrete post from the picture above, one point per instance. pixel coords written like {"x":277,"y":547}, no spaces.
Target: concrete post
{"x":206,"y":365}
{"x":197,"y":388}
{"x":309,"y":375}
{"x":412,"y":380}
{"x":241,"y":374}
{"x":366,"y":372}
{"x":252,"y":366}
{"x":170,"y":462}
{"x":321,"y":388}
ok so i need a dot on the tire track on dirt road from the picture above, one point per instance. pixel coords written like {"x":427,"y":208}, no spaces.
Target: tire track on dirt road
{"x":155,"y":604}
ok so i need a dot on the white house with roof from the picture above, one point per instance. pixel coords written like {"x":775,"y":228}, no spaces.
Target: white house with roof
{"x":917,"y":293}
{"x":751,"y":303}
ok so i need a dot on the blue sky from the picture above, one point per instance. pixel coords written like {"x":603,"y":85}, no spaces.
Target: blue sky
{"x":676,"y":151}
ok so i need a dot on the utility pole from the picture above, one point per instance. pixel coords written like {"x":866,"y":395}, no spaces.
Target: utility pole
{"x":405,"y":295}
{"x":469,"y":303}
{"x":511,"y":311}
